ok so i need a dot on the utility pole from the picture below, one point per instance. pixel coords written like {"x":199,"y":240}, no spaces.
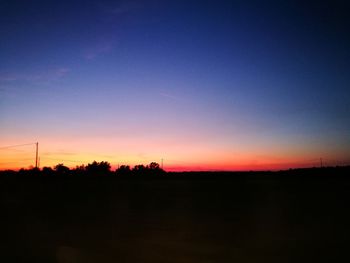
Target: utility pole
{"x":36,"y":154}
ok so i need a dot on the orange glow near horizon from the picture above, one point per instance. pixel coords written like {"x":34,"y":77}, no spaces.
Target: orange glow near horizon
{"x":193,"y":90}
{"x":183,"y":156}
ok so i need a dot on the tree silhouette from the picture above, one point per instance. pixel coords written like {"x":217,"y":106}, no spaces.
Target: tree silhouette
{"x":123,"y":170}
{"x":47,"y":171}
{"x":152,"y":169}
{"x":139,"y":169}
{"x":61,"y":169}
{"x":98,"y":168}
{"x":154,"y":166}
{"x":79,"y":170}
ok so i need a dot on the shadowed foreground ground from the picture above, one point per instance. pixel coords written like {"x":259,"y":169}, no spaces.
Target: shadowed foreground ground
{"x":255,"y":218}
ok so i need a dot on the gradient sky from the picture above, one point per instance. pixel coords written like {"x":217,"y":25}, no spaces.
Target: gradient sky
{"x":206,"y":85}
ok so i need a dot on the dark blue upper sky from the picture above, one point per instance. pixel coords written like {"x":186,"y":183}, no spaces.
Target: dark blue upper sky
{"x":246,"y":74}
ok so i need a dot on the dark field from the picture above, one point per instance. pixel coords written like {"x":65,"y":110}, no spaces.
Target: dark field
{"x":268,"y":217}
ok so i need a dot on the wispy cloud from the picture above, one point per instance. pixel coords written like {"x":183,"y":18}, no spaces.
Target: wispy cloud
{"x":9,"y":80}
{"x":59,"y":153}
{"x":61,"y":72}
{"x":8,"y":77}
{"x":170,"y":96}
{"x":46,"y":75}
{"x":97,"y":50}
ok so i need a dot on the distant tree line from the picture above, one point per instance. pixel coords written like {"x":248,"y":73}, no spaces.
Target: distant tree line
{"x":153,"y":170}
{"x":93,"y":169}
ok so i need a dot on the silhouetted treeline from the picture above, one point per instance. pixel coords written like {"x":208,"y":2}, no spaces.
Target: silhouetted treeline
{"x":153,"y":170}
{"x":90,"y":170}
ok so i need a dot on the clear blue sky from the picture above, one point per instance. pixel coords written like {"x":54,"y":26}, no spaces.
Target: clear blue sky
{"x":202,"y":84}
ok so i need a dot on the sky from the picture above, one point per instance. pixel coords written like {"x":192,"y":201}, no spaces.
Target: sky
{"x":203,"y":85}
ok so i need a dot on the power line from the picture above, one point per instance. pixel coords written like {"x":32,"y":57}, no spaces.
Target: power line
{"x":62,"y":160}
{"x":9,"y":162}
{"x":16,"y":145}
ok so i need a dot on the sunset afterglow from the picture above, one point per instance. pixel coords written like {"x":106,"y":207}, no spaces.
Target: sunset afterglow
{"x":202,"y":86}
